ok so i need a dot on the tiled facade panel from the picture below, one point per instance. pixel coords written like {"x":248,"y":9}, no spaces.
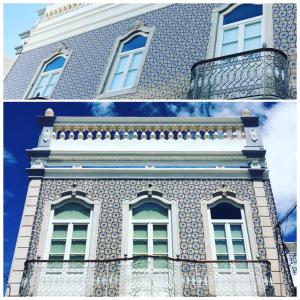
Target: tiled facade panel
{"x":285,"y":38}
{"x":180,"y":39}
{"x":187,"y":193}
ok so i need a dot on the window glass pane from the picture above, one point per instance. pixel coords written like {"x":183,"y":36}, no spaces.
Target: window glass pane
{"x":76,"y":265}
{"x":223,"y":265}
{"x":43,"y":81}
{"x":253,"y":29}
{"x":136,"y":42}
{"x":48,"y":90}
{"x":140,"y":231}
{"x":236,"y":231}
{"x":79,"y":231}
{"x":221,"y":246}
{"x":252,"y":43}
{"x":238,"y":246}
{"x":130,"y":78}
{"x":136,"y":60}
{"x":57,"y":63}
{"x":150,"y":210}
{"x":160,"y":263}
{"x":78,"y":246}
{"x":53,"y":78}
{"x":58,"y":246}
{"x":219,"y":231}
{"x":241,"y":265}
{"x":225,"y":210}
{"x":116,"y":81}
{"x":230,"y":48}
{"x":140,"y":247}
{"x":122,"y":64}
{"x":230,"y":35}
{"x":242,"y":12}
{"x":72,"y":210}
{"x":53,"y":264}
{"x":38,"y":92}
{"x":160,"y":247}
{"x":60,"y":231}
{"x":140,"y":263}
{"x":160,"y":232}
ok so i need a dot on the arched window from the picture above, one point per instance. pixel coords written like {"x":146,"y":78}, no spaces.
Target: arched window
{"x":151,"y":233}
{"x":69,"y":232}
{"x":240,"y":29}
{"x":127,"y":63}
{"x":48,"y":78}
{"x":229,"y":234}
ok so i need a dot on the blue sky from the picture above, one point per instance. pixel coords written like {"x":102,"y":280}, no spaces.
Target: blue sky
{"x":23,"y":132}
{"x":18,"y":18}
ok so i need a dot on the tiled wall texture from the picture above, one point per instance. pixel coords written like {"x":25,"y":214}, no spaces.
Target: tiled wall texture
{"x":188,"y":193}
{"x":180,"y":39}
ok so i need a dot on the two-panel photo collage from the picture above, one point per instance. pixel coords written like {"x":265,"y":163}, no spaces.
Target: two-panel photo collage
{"x":149,"y":149}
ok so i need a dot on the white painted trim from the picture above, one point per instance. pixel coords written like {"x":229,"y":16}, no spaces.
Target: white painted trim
{"x":114,"y":58}
{"x":66,"y":53}
{"x":83,"y":20}
{"x":213,"y":49}
{"x":214,"y":173}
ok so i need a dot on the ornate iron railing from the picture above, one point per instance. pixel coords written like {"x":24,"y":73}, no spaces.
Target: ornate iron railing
{"x":146,"y":276}
{"x":256,"y":73}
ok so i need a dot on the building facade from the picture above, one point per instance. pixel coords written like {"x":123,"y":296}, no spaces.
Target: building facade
{"x":149,"y":207}
{"x":157,"y":51}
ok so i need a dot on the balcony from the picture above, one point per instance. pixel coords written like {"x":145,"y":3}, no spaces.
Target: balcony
{"x":146,"y":276}
{"x":260,"y":73}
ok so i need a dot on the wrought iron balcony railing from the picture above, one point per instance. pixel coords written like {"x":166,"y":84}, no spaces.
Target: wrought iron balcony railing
{"x":256,"y":73}
{"x":146,"y":276}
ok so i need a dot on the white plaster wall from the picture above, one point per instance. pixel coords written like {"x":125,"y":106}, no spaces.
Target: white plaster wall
{"x":149,"y":145}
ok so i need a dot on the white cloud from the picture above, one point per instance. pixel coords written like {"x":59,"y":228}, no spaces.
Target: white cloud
{"x":103,"y":109}
{"x":279,"y":138}
{"x":9,"y":158}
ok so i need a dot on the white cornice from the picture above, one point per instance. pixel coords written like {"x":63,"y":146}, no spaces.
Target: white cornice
{"x":208,"y":173}
{"x":83,"y":19}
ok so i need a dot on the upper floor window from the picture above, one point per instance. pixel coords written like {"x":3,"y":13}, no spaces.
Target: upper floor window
{"x":240,"y":29}
{"x":229,"y":234}
{"x":127,"y":64}
{"x":125,"y":67}
{"x":151,"y":234}
{"x":48,"y":78}
{"x":69,"y":234}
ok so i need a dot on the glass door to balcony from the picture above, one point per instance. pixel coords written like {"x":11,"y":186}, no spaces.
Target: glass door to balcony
{"x":150,"y":236}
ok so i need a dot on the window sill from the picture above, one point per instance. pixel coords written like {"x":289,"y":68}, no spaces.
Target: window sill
{"x":116,"y":93}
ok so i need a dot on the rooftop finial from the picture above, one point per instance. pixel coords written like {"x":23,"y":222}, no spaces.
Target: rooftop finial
{"x":49,"y":112}
{"x":246,"y":113}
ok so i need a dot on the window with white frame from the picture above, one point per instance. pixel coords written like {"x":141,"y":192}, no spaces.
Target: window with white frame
{"x":48,"y":78}
{"x":127,"y":63}
{"x":229,"y":234}
{"x":240,"y":29}
{"x":150,"y":234}
{"x":69,"y":234}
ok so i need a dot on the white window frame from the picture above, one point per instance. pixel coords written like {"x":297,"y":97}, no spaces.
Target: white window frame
{"x":107,"y":77}
{"x":50,"y":75}
{"x":70,"y":223}
{"x":241,"y":32}
{"x":227,"y":223}
{"x":150,"y":223}
{"x":216,"y":33}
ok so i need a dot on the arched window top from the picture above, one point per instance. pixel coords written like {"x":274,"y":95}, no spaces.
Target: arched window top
{"x":225,"y":210}
{"x":55,"y":64}
{"x":136,"y":42}
{"x":71,"y":210}
{"x":242,"y":12}
{"x":150,"y":210}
